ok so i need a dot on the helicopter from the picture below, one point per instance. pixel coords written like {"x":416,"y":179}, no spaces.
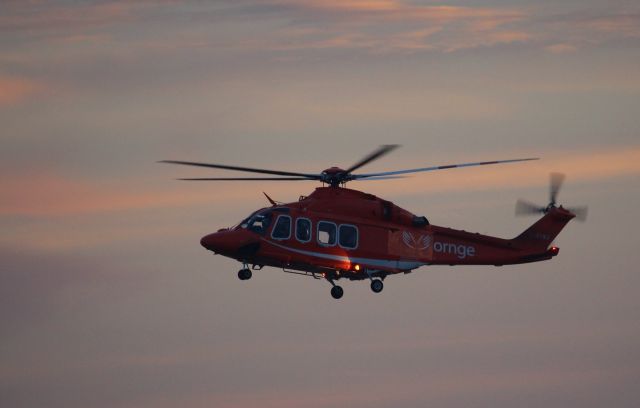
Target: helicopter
{"x":338,"y":233}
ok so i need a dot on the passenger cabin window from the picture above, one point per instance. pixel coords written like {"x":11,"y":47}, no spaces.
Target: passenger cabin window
{"x":303,"y":230}
{"x":348,"y":236}
{"x":327,"y":233}
{"x":282,"y":229}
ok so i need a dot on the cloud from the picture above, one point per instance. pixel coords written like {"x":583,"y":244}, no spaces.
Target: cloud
{"x":74,"y":214}
{"x":626,"y":25}
{"x":584,"y":166}
{"x":288,"y":26}
{"x":395,"y":25}
{"x":14,"y":90}
{"x":54,"y":195}
{"x":353,"y":5}
{"x":567,"y":33}
{"x":372,"y":25}
{"x":391,"y":26}
{"x":34,"y":17}
{"x":561,"y":48}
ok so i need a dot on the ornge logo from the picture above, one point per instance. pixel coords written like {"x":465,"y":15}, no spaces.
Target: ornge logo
{"x":461,"y":251}
{"x":424,"y":241}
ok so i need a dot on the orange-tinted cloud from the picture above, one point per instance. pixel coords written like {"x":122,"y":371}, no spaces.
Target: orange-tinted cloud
{"x":396,"y":25}
{"x":402,"y":10}
{"x":53,"y":195}
{"x":384,"y":26}
{"x":585,"y":166}
{"x":57,"y":202}
{"x":14,"y":90}
{"x":373,"y":26}
{"x":624,"y":24}
{"x":561,"y":48}
{"x":354,"y":5}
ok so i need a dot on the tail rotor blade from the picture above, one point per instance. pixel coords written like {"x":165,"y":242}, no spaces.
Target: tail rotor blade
{"x":580,"y":212}
{"x":527,"y":208}
{"x":556,"y":182}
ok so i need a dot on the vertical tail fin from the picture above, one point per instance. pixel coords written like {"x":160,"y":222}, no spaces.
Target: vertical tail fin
{"x":539,"y":236}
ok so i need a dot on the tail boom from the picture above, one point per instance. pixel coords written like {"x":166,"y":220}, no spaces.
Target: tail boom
{"x":455,"y":247}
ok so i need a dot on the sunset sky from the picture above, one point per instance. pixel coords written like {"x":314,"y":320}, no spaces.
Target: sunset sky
{"x":108,"y":300}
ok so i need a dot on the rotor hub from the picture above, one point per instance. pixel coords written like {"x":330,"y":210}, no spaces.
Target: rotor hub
{"x":334,"y":176}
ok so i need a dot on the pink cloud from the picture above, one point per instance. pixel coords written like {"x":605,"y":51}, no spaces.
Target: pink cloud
{"x":624,"y":24}
{"x":585,"y":166}
{"x":561,"y":48}
{"x":409,"y":27}
{"x":51,"y":194}
{"x":14,"y":90}
{"x":354,"y":5}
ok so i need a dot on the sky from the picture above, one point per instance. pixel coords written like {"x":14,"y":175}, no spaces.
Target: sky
{"x":108,"y":300}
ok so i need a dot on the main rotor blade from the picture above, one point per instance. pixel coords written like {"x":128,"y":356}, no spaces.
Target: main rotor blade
{"x":381,"y":151}
{"x":247,"y":169}
{"x":556,"y":180}
{"x":527,"y":208}
{"x":379,"y":178}
{"x":244,"y":178}
{"x":580,"y":212}
{"x":448,"y":166}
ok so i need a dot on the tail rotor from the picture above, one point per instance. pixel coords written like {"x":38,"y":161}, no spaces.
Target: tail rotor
{"x":524,"y":207}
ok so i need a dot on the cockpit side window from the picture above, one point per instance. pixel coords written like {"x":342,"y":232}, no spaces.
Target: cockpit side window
{"x":258,"y":222}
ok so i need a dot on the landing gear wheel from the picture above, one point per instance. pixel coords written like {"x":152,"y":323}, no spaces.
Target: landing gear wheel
{"x":337,"y":292}
{"x":244,"y":274}
{"x":377,"y":285}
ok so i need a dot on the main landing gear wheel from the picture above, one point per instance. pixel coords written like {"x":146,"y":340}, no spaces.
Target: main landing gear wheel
{"x":377,"y":285}
{"x":244,"y":274}
{"x":337,"y":292}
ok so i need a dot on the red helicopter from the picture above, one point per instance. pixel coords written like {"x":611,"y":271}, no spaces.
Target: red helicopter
{"x":339,"y":233}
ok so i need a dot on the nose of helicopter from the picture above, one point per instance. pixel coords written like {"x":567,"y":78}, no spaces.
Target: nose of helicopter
{"x":231,"y":243}
{"x":219,"y":242}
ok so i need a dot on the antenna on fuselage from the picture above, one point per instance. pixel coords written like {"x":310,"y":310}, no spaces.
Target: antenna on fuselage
{"x":272,"y":201}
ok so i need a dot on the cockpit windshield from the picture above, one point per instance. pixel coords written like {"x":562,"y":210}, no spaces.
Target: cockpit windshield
{"x":257,"y":222}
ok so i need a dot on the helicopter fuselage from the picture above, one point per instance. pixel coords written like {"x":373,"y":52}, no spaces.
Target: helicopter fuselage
{"x":337,"y":233}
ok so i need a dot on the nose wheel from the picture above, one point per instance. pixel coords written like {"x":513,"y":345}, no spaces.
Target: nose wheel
{"x":244,"y":274}
{"x":377,"y":285}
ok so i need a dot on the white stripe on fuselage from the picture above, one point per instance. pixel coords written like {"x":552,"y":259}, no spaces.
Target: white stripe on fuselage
{"x":380,"y":263}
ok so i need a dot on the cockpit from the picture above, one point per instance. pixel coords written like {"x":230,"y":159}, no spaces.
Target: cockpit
{"x":257,"y":222}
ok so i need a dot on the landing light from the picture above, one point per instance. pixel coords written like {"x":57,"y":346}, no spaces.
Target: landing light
{"x":357,"y":267}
